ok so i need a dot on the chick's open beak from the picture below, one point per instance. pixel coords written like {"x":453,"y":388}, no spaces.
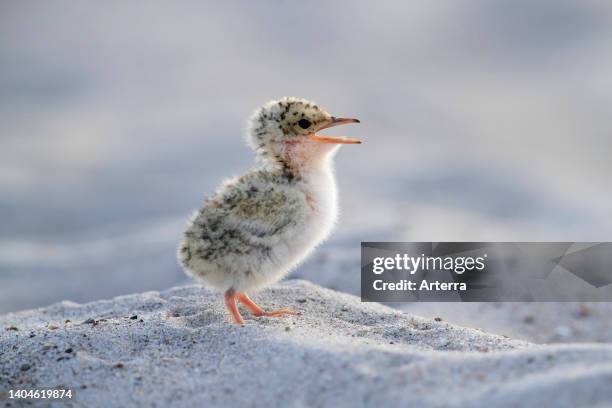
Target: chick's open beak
{"x":334,"y":139}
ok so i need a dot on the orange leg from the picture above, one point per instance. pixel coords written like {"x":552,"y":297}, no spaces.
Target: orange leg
{"x":258,"y":311}
{"x":230,"y":302}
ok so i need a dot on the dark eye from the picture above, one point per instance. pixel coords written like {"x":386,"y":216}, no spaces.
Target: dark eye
{"x":304,"y":123}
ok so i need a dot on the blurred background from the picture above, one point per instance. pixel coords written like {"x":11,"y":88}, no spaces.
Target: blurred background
{"x":482,"y":120}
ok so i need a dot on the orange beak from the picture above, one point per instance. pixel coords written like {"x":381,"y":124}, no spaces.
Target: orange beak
{"x":334,"y":139}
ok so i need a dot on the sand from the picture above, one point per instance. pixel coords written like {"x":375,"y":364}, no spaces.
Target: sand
{"x":176,"y":348}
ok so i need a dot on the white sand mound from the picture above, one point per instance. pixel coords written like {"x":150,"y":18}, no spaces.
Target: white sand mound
{"x":175,"y":348}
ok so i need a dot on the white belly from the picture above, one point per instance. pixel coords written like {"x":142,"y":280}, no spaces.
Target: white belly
{"x":297,"y":243}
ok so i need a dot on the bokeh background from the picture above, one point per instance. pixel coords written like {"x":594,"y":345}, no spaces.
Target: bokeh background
{"x":482,"y":120}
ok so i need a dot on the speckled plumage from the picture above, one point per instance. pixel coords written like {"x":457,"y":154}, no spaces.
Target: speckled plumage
{"x":259,"y":226}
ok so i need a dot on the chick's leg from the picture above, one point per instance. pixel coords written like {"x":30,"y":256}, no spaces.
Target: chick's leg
{"x":258,"y":311}
{"x":230,"y":302}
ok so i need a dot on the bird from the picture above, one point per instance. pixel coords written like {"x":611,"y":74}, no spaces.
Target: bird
{"x":259,"y":226}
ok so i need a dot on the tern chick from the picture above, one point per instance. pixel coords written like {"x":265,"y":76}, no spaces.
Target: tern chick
{"x":259,"y":226}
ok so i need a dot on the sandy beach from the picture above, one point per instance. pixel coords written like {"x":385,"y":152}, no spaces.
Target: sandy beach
{"x":175,"y":348}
